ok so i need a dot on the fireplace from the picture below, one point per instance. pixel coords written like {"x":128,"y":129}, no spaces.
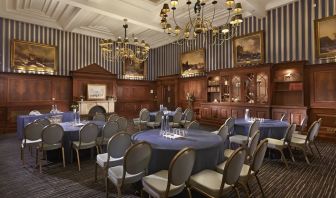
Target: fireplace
{"x":99,"y":106}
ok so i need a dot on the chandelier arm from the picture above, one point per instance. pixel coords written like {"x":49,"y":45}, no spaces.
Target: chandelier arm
{"x":174,"y":18}
{"x":213,"y":15}
{"x":190,"y":21}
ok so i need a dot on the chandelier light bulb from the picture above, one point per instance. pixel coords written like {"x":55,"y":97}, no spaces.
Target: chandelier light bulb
{"x":166,"y":8}
{"x":173,"y":3}
{"x":229,"y":3}
{"x":238,"y":8}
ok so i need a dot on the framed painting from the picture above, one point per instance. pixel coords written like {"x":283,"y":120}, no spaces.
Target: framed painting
{"x":36,"y":57}
{"x":249,"y":49}
{"x":133,"y":70}
{"x":325,"y":37}
{"x":193,"y":63}
{"x":96,"y":92}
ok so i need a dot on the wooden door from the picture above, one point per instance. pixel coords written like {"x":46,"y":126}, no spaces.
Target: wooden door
{"x":169,"y":97}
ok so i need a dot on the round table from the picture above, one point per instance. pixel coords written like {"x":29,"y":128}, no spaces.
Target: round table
{"x":268,"y":128}
{"x":209,"y":148}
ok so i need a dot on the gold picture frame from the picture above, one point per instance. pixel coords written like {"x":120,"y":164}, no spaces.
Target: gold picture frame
{"x":192,"y":63}
{"x":33,"y":57}
{"x":325,"y":46}
{"x":249,"y":49}
{"x":132,"y":70}
{"x":96,"y":92}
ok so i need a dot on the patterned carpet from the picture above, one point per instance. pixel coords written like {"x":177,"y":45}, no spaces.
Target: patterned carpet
{"x":300,"y":180}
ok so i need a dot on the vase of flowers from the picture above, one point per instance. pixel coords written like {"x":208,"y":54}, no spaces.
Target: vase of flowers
{"x":190,"y":99}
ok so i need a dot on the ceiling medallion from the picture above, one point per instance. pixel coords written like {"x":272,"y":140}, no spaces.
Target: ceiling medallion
{"x":123,"y":48}
{"x":199,"y":24}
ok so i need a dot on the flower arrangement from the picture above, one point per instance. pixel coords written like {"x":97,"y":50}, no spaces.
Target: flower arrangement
{"x":190,"y":97}
{"x":74,"y":106}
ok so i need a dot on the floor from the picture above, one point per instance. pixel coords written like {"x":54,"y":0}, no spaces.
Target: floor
{"x":300,"y":180}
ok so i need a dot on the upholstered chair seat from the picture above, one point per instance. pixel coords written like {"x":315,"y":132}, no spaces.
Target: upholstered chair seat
{"x":157,"y":122}
{"x":102,"y":160}
{"x":115,"y":174}
{"x":83,"y":145}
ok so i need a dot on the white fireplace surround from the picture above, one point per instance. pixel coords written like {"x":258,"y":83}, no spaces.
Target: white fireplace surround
{"x":85,"y":106}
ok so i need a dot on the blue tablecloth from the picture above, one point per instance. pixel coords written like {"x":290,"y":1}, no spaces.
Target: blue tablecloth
{"x":268,"y":128}
{"x":71,"y":133}
{"x":23,"y":120}
{"x":209,"y":148}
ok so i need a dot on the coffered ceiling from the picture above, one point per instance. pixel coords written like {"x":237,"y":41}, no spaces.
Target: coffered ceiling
{"x":104,"y":18}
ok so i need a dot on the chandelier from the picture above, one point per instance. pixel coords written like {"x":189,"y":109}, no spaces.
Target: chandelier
{"x":200,"y":24}
{"x":124,"y":49}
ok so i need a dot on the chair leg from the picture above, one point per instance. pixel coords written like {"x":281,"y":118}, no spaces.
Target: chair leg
{"x":119,"y":191}
{"x":39,"y":160}
{"x":291,"y":153}
{"x":36,"y":157}
{"x":189,"y":192}
{"x":311,"y":149}
{"x":106,"y":186}
{"x":283,"y":158}
{"x":63,"y":158}
{"x":259,"y":184}
{"x":78,"y":161}
{"x":236,"y":191}
{"x":248,"y":187}
{"x":97,"y":148}
{"x":22,"y":155}
{"x":305,"y":155}
{"x":96,"y":167}
{"x":318,"y":151}
{"x":247,"y":192}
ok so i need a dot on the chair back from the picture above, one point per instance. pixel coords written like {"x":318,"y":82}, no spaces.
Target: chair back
{"x":304,"y":123}
{"x":43,"y":121}
{"x":113,"y":117}
{"x":177,"y":117}
{"x":109,"y":129}
{"x":289,"y":133}
{"x":88,"y":133}
{"x":318,"y":128}
{"x":189,"y":115}
{"x":158,"y":117}
{"x":230,"y":123}
{"x":52,"y":134}
{"x":122,"y":123}
{"x":118,"y":145}
{"x":144,"y":115}
{"x":192,"y":125}
{"x":33,"y":131}
{"x":181,"y":166}
{"x":186,"y":111}
{"x":312,"y":130}
{"x":137,"y":158}
{"x":233,"y":167}
{"x":223,"y":132}
{"x":178,"y":109}
{"x":283,"y":116}
{"x":259,"y":156}
{"x":254,"y":128}
{"x":252,"y":146}
{"x":99,"y":117}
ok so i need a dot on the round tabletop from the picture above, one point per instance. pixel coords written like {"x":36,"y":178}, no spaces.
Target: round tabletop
{"x":268,"y":128}
{"x":209,"y":148}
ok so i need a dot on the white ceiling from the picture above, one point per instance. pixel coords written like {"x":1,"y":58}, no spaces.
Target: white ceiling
{"x":104,"y":18}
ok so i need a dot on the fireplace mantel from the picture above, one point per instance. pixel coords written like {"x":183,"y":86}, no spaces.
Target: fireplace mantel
{"x":85,"y":106}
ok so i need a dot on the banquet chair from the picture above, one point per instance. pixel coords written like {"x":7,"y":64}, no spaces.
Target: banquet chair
{"x":87,"y":139}
{"x":176,"y":120}
{"x":178,"y":109}
{"x":113,"y":117}
{"x":305,"y":144}
{"x":52,"y":136}
{"x":302,"y":127}
{"x":43,"y":121}
{"x":192,"y":125}
{"x":134,"y":168}
{"x":282,"y":144}
{"x":143,"y":118}
{"x":171,"y":182}
{"x":223,"y":132}
{"x":248,"y":171}
{"x":122,"y":124}
{"x":116,"y":148}
{"x":188,"y":117}
{"x":242,"y":139}
{"x":109,"y":129}
{"x":228,"y":122}
{"x":250,"y":149}
{"x":31,"y":138}
{"x":213,"y":184}
{"x":313,"y":139}
{"x":157,"y":121}
{"x":283,"y":116}
{"x":99,"y":117}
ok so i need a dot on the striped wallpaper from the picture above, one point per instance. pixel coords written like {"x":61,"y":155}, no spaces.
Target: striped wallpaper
{"x":74,"y":50}
{"x":289,"y":36}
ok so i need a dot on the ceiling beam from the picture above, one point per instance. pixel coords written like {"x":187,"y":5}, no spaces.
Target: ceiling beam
{"x":117,"y":13}
{"x":70,"y":23}
{"x":255,"y":7}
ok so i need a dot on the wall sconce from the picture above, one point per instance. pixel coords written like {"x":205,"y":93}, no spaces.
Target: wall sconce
{"x":151,"y":91}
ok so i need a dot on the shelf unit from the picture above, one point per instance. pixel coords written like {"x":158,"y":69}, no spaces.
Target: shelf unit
{"x":213,"y":88}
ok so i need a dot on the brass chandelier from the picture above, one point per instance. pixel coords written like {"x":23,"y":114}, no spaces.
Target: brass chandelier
{"x":124,"y":49}
{"x":200,"y":24}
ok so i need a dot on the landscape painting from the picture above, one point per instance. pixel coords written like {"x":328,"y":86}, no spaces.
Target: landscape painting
{"x":249,"y":49}
{"x":325,"y":37}
{"x":193,"y":63}
{"x":134,"y":70}
{"x":29,"y":56}
{"x":96,"y":92}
